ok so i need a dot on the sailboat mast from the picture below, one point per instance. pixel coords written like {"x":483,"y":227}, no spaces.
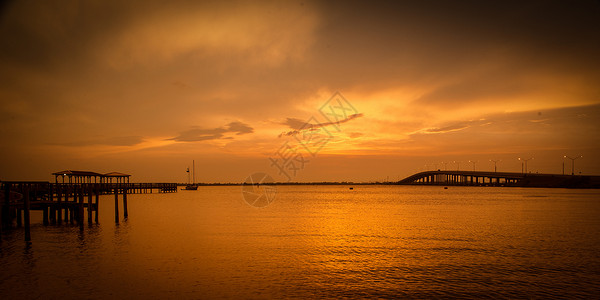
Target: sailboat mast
{"x":194,"y":171}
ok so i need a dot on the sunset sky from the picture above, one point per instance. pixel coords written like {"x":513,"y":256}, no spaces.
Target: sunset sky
{"x":145,"y":87}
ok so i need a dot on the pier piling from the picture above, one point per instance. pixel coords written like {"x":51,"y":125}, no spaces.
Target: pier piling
{"x":97,"y":190}
{"x":80,"y":215}
{"x":45,"y":215}
{"x":6,"y":205}
{"x":67,"y":191}
{"x":26,"y":214}
{"x":116,"y":205}
{"x":125,"y":203}
{"x":89,"y":210}
{"x":72,"y":212}
{"x":19,"y":218}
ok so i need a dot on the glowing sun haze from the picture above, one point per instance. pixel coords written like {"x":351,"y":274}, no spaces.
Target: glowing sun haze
{"x":145,"y":87}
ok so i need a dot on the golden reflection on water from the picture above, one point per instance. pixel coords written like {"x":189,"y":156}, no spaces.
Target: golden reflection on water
{"x":322,"y":241}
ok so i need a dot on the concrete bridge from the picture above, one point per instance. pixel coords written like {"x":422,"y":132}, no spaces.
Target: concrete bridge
{"x":479,"y":178}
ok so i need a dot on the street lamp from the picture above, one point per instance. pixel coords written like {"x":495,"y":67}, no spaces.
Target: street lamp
{"x":457,"y":165}
{"x":495,"y":161}
{"x":525,"y":160}
{"x":573,"y":162}
{"x":473,"y":162}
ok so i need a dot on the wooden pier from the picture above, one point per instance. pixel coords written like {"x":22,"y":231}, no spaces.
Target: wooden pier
{"x":65,"y":202}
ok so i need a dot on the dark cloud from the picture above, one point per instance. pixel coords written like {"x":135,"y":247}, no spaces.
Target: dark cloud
{"x":239,"y":128}
{"x":53,"y":35}
{"x":199,"y":134}
{"x":453,"y":127}
{"x":450,"y":45}
{"x":294,"y":123}
{"x":467,"y":91}
{"x":553,"y":126}
{"x":300,"y":126}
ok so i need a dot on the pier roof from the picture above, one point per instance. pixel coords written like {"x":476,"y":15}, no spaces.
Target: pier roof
{"x":116,"y":174}
{"x":76,"y":173}
{"x":88,"y":177}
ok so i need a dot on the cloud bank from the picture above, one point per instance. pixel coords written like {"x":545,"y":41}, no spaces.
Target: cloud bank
{"x":199,"y":134}
{"x":300,"y":126}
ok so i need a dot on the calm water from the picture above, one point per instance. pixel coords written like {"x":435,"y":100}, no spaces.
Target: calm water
{"x":319,"y":241}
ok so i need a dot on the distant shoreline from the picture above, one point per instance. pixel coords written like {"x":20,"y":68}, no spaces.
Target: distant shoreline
{"x":521,"y":180}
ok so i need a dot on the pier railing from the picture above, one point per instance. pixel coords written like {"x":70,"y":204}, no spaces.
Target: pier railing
{"x":131,"y":188}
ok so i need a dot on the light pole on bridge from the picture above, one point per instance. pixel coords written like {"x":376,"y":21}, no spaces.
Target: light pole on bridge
{"x":573,"y":163}
{"x":474,"y":162}
{"x":495,"y":161}
{"x":457,"y":165}
{"x":525,"y":160}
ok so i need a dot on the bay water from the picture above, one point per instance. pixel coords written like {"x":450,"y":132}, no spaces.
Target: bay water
{"x":318,"y":241}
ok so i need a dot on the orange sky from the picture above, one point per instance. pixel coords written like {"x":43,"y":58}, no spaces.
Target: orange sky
{"x":145,"y":87}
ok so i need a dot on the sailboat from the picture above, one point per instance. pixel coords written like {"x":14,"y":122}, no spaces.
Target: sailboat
{"x":191,"y":186}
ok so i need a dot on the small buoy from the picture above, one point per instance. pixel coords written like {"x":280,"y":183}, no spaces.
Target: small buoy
{"x":351,"y":188}
{"x":445,"y":187}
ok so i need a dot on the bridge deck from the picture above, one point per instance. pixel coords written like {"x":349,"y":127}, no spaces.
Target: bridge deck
{"x":481,"y":178}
